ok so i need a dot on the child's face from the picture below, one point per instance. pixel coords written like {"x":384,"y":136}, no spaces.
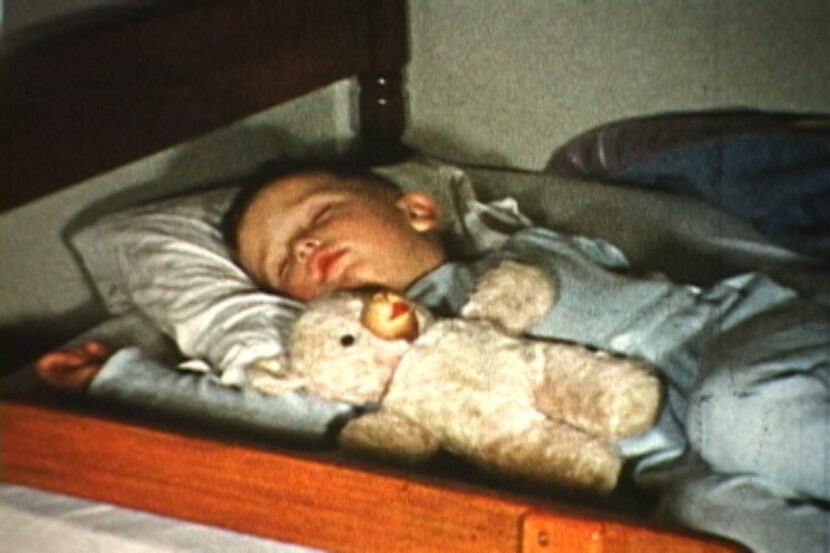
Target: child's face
{"x":310,"y":234}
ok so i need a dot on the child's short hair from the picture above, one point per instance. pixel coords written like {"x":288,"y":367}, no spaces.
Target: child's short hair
{"x":356,"y":173}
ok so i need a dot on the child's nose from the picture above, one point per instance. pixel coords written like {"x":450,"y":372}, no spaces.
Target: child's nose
{"x":304,"y":248}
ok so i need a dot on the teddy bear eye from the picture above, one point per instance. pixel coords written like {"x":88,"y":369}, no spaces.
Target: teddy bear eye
{"x":346,"y":340}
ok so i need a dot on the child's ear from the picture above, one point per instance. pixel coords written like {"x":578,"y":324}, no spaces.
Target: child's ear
{"x":421,"y":210}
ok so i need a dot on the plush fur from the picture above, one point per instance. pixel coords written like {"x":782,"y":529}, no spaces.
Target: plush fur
{"x":534,"y":409}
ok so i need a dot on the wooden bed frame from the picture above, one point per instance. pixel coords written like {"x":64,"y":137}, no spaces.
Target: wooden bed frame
{"x":87,"y":100}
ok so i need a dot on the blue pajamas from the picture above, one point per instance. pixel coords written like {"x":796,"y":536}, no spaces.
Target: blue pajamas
{"x":766,"y":410}
{"x":746,"y":508}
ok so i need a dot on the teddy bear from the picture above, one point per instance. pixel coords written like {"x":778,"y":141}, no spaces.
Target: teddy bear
{"x":531,"y":409}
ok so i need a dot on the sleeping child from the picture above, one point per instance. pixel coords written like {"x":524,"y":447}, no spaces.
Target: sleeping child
{"x":742,"y":447}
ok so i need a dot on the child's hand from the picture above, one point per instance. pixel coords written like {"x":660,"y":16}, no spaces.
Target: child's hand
{"x":73,"y":369}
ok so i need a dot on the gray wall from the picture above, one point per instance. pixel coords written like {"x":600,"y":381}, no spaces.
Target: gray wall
{"x":505,"y":81}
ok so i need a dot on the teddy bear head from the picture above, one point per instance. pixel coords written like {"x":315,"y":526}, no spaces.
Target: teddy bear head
{"x":347,"y":346}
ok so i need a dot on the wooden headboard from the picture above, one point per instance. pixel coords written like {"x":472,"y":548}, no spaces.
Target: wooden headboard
{"x":91,"y":94}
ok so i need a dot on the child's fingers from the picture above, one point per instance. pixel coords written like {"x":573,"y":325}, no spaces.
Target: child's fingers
{"x":74,"y":368}
{"x":52,"y":367}
{"x":82,"y":354}
{"x":61,"y":360}
{"x":71,"y":377}
{"x":79,"y":378}
{"x":98,"y":350}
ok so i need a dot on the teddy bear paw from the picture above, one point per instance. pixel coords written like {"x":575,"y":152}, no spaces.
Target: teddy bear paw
{"x":632,"y":399}
{"x":599,"y":472}
{"x":513,"y":295}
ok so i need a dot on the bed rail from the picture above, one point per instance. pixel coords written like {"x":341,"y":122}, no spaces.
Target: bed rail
{"x":295,"y":498}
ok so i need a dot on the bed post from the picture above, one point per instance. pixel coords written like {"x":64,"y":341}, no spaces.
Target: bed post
{"x":381,"y":98}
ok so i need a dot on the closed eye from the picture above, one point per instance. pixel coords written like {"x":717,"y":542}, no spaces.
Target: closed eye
{"x":322,"y":214}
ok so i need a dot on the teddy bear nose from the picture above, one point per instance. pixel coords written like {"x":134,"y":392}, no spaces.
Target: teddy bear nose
{"x":305,"y":247}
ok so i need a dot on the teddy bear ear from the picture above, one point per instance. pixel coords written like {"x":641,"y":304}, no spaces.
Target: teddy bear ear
{"x":354,"y":304}
{"x":345,"y":304}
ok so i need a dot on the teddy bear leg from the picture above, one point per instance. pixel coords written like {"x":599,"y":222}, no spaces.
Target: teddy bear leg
{"x":552,"y":452}
{"x":513,"y":295}
{"x":605,"y":395}
{"x":388,"y":435}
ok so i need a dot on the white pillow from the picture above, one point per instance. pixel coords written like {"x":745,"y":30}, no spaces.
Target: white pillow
{"x":169,"y":260}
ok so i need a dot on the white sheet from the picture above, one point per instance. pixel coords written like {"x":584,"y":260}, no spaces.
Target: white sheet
{"x":33,"y":521}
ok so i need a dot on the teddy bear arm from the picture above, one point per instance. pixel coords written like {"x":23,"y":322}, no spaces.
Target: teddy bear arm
{"x":554,"y":453}
{"x":513,"y":295}
{"x":388,"y":435}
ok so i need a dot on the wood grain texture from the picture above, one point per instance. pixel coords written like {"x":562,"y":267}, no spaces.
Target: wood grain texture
{"x":82,"y":102}
{"x":286,"y":497}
